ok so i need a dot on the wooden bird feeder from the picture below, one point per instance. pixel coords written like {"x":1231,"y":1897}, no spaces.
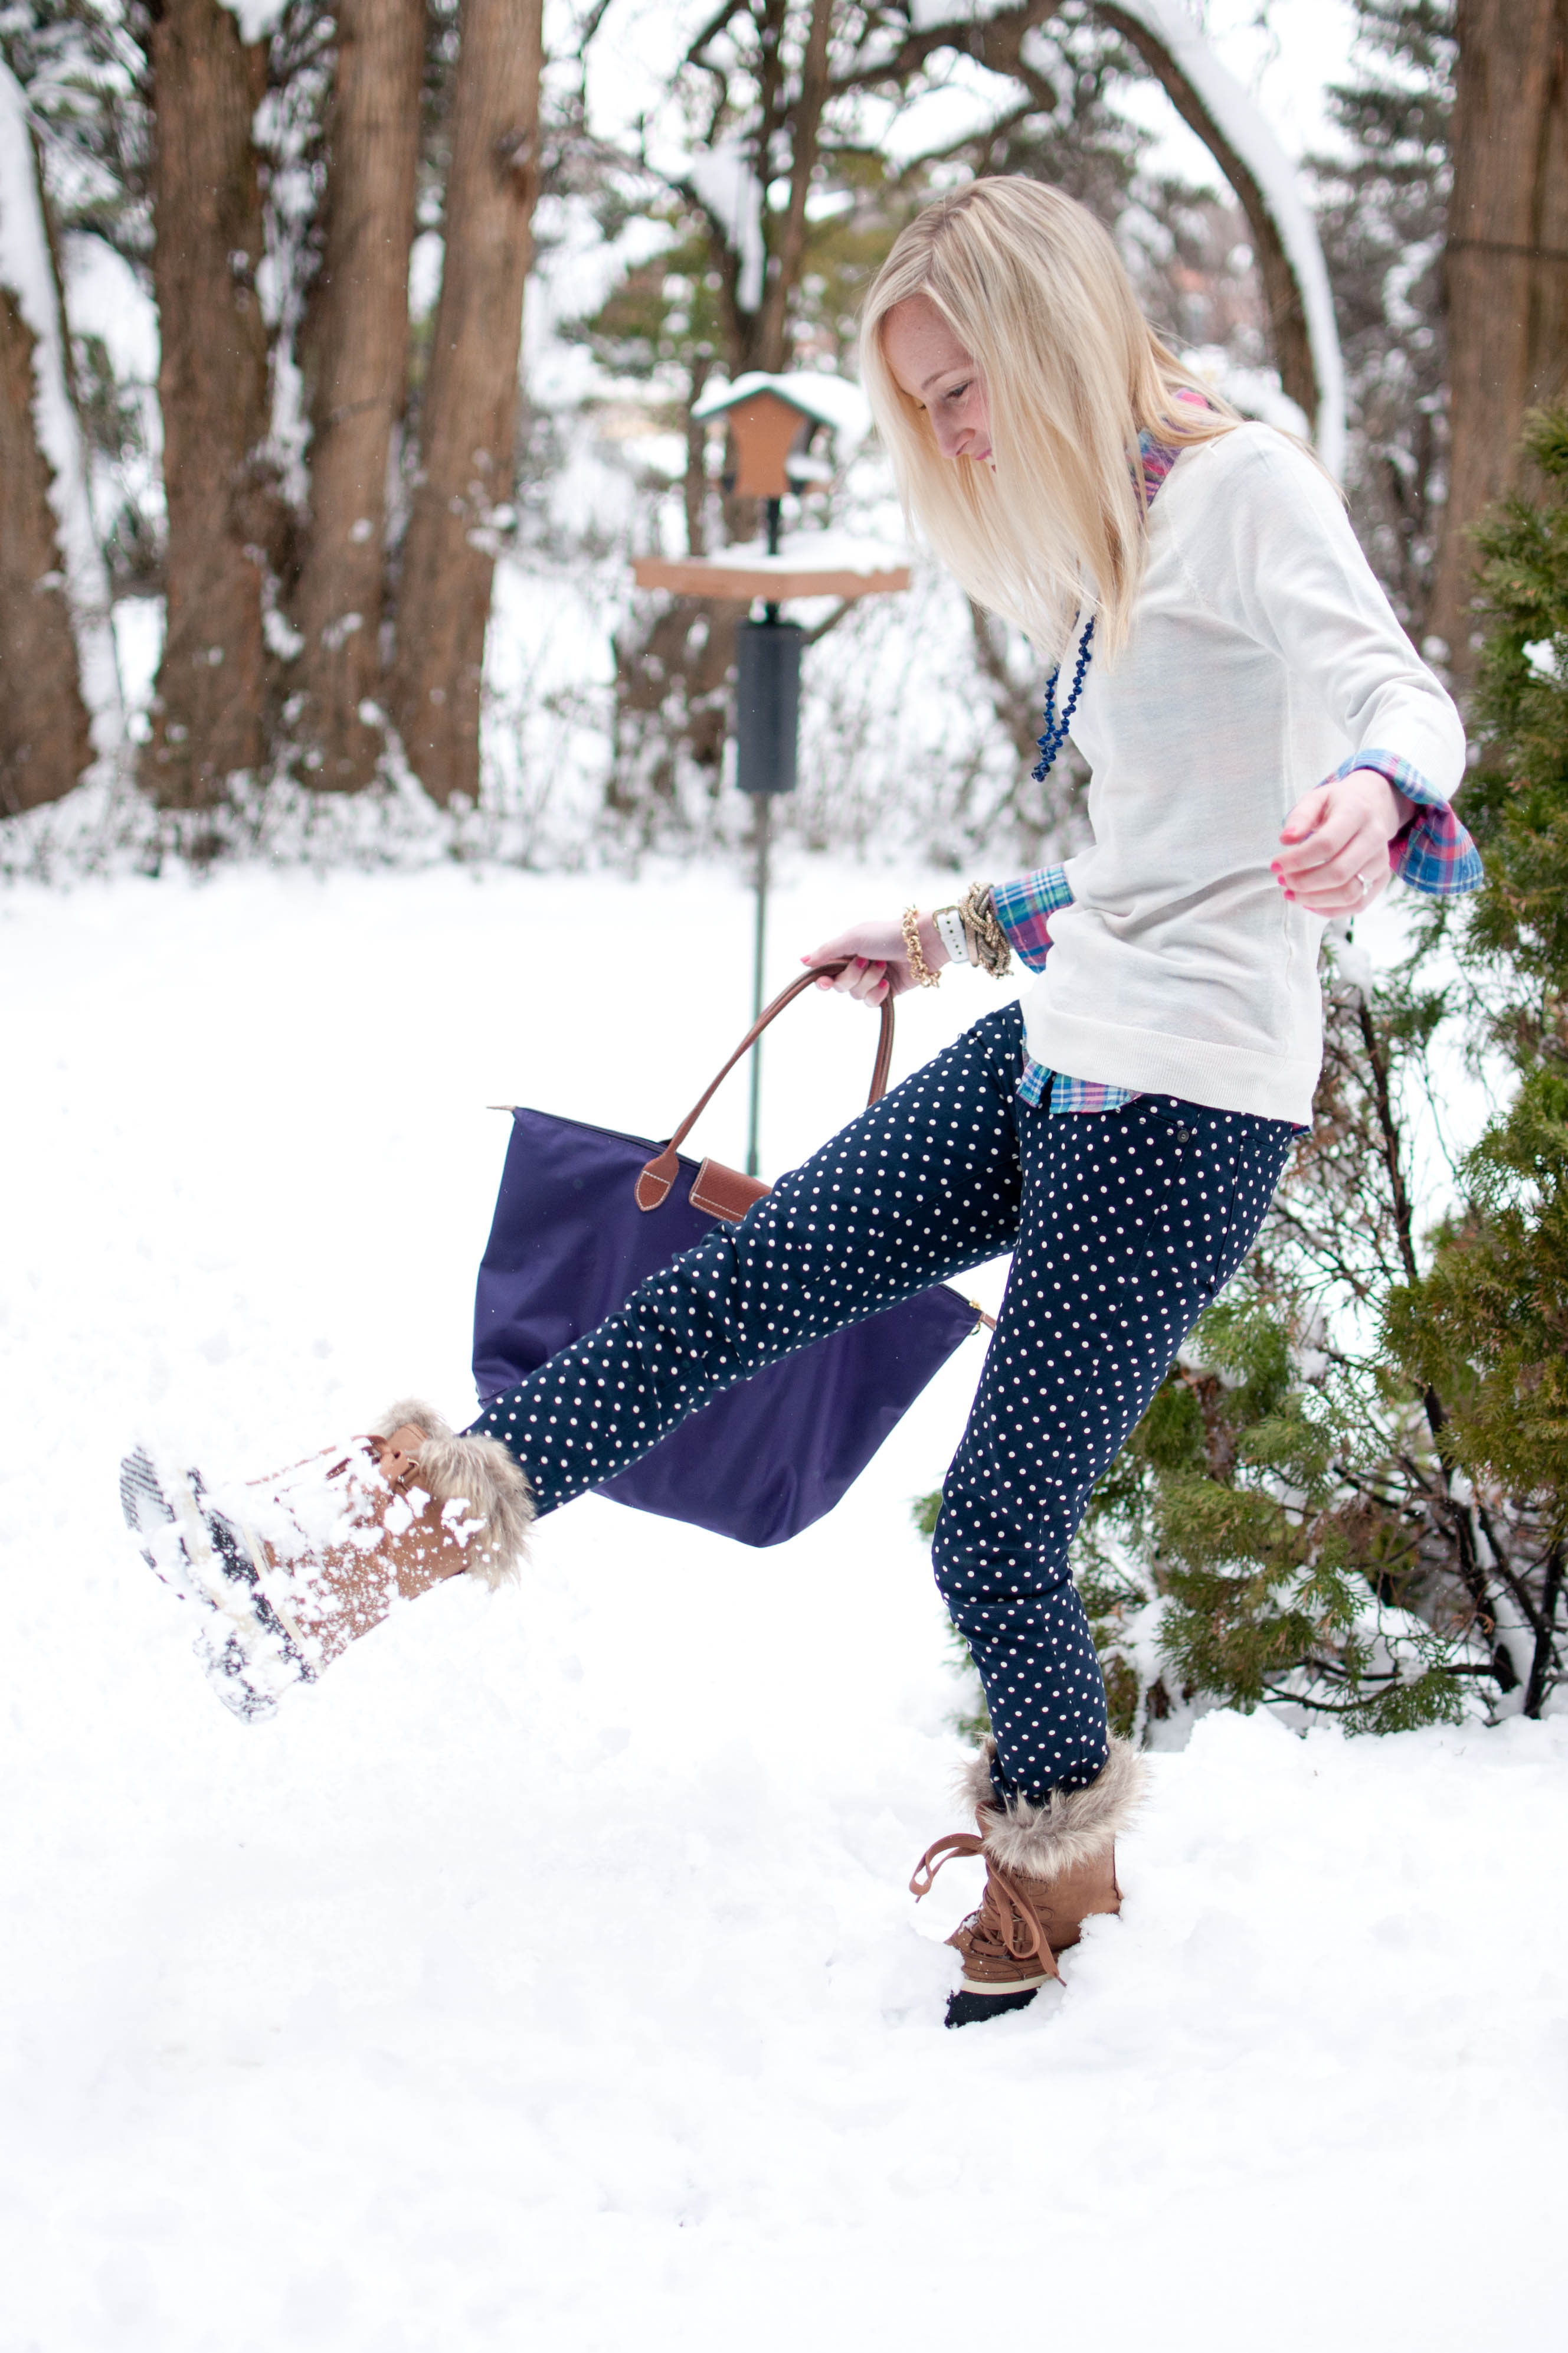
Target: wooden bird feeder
{"x":772,"y":422}
{"x":765,"y":427}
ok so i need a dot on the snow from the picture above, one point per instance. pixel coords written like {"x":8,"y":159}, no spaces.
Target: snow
{"x":1288,"y":59}
{"x":1252,"y":135}
{"x":628,"y":67}
{"x":726,"y":183}
{"x":104,"y":299}
{"x":425,"y":257}
{"x":26,"y":268}
{"x":924,"y":14}
{"x":1256,"y":391}
{"x":548,"y":1977}
{"x":257,"y":19}
{"x":822,"y":551}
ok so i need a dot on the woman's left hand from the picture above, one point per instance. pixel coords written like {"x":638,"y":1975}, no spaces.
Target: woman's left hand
{"x":876,"y":958}
{"x":1333,"y":856}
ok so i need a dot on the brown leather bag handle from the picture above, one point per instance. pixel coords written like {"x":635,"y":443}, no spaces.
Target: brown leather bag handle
{"x":659,"y":1174}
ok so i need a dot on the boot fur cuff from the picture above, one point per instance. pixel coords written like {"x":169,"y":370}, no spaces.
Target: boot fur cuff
{"x":478,"y":1471}
{"x":1073,"y":1827}
{"x":411,"y":1409}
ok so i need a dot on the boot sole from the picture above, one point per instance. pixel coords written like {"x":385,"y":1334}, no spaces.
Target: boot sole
{"x":252,"y":1656}
{"x":966,"y":2008}
{"x":1018,"y":1985}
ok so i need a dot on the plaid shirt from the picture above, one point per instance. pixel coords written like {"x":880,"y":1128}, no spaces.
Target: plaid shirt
{"x":1432,"y":853}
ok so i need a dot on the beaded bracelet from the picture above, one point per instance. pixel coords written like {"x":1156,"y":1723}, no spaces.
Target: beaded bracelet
{"x":918,"y":964}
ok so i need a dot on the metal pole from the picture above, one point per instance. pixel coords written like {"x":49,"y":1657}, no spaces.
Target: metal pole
{"x":762,"y":804}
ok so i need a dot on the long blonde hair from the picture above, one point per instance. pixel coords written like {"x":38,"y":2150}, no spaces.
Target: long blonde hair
{"x":1035,"y":291}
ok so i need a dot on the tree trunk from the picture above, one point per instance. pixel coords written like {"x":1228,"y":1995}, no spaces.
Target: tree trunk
{"x":355,"y":359}
{"x":770,"y":347}
{"x":44,"y":742}
{"x":1507,"y":265}
{"x":211,"y":388}
{"x":470,"y":404}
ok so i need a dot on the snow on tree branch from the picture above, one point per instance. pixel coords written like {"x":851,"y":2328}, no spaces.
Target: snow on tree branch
{"x":731,"y":194}
{"x":1225,"y":117}
{"x":256,"y":18}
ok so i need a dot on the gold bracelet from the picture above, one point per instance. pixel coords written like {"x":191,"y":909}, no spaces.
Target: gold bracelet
{"x":918,"y":964}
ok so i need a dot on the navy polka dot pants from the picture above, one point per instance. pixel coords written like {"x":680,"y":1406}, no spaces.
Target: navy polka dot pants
{"x":1122,"y":1225}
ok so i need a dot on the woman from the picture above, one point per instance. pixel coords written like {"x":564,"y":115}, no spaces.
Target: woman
{"x":1224,"y":649}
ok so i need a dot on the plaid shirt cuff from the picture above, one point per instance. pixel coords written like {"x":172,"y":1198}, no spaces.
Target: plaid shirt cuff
{"x":1432,"y":853}
{"x":1088,"y":1094}
{"x":1058,"y":1092}
{"x":1023,"y":909}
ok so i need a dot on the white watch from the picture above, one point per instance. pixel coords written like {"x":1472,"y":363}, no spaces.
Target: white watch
{"x":950,"y":931}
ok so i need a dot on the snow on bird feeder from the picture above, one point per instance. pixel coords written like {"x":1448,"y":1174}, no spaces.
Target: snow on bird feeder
{"x":774,"y":422}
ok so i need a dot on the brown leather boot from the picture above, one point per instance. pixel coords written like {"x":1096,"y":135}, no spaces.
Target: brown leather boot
{"x":1048,"y":1868}
{"x":298,"y":1565}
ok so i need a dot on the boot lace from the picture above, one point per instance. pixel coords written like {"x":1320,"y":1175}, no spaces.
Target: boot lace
{"x":1006,"y":1928}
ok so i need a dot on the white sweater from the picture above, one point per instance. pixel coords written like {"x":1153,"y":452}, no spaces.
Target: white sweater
{"x":1262,"y":654}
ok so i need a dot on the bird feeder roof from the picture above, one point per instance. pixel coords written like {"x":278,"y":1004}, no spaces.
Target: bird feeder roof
{"x":830,"y":400}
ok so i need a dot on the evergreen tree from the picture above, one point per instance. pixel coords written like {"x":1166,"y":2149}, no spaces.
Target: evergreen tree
{"x":1267,"y":1536}
{"x":1487,"y":1322}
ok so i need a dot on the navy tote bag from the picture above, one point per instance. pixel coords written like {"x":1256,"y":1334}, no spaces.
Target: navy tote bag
{"x":584,"y":1214}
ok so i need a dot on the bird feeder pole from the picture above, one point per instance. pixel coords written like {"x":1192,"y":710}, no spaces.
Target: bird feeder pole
{"x":762,"y":823}
{"x":771,"y":421}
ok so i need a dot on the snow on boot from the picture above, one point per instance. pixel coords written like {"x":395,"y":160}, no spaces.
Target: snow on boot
{"x":297,"y":1566}
{"x":1048,"y":1868}
{"x":248,"y":1652}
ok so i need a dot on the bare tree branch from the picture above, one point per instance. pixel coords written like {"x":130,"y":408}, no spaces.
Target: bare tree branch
{"x":1287,"y":315}
{"x":992,"y":41}
{"x":723,"y":15}
{"x":805,"y":116}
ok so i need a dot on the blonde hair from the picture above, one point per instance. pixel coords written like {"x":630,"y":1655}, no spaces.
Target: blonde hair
{"x":1035,"y":291}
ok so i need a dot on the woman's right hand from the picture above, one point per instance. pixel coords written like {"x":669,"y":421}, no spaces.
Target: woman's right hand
{"x":877,"y":958}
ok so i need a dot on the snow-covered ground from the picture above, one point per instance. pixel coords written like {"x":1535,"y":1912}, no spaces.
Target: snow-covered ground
{"x":547,"y":1978}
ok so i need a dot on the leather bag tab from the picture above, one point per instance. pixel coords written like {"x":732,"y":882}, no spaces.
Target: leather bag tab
{"x":653,"y":1186}
{"x":720,"y":1192}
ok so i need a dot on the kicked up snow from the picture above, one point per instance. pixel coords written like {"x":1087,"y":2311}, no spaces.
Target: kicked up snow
{"x":547,"y":1975}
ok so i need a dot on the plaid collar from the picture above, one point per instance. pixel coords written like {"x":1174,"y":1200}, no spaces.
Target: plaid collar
{"x":1157,"y":458}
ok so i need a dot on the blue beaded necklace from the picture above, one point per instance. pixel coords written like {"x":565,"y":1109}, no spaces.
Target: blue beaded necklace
{"x":1157,"y":458}
{"x":1055,"y":734}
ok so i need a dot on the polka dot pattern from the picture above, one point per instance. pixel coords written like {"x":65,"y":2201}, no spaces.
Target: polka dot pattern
{"x":1131,"y":1220}
{"x":1122,"y":1224}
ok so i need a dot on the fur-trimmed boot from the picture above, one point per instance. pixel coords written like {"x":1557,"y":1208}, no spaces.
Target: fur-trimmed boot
{"x":1048,"y":1868}
{"x":297,"y":1566}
